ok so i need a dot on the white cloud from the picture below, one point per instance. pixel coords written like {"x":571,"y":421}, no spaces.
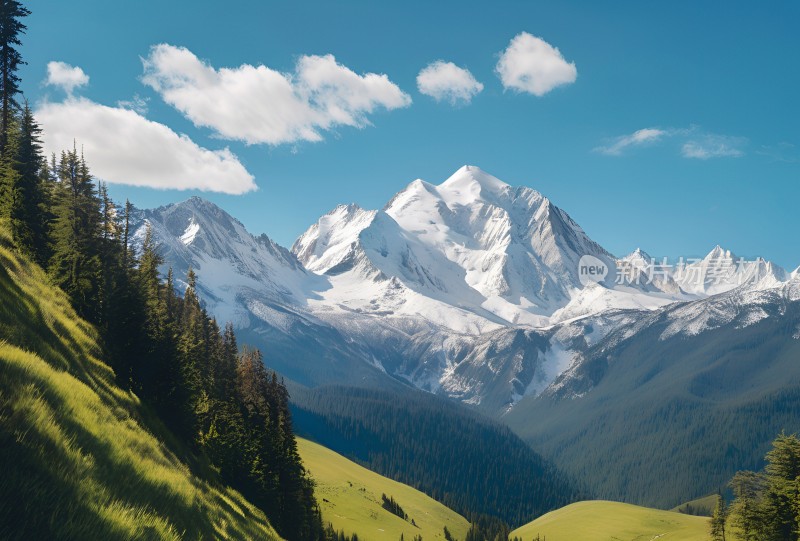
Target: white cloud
{"x":124,"y":147}
{"x":530,"y":64}
{"x":637,"y":138}
{"x":65,"y":76}
{"x":444,"y":81}
{"x":137,"y":103}
{"x":257,"y":104}
{"x":694,"y":142}
{"x":713,"y":146}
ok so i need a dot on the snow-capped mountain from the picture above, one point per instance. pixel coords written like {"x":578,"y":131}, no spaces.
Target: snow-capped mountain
{"x":471,"y":254}
{"x":228,"y":259}
{"x":722,"y":271}
{"x":471,"y":288}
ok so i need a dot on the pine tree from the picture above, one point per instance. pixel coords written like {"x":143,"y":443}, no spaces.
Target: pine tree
{"x":718,"y":519}
{"x":25,"y":188}
{"x":75,"y":262}
{"x":745,"y":511}
{"x":781,"y":495}
{"x":11,"y":27}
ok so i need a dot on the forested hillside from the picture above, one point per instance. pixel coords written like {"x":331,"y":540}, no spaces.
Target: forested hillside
{"x":84,"y":458}
{"x":458,"y":457}
{"x":710,"y":403}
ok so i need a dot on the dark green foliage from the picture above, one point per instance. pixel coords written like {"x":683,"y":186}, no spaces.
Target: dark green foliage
{"x":745,"y":511}
{"x":220,"y":401}
{"x":75,"y":264}
{"x":767,"y":504}
{"x":718,"y":520}
{"x":11,"y":27}
{"x":467,"y":462}
{"x":329,"y":534}
{"x":393,"y":507}
{"x":487,"y":528}
{"x":447,"y":535}
{"x":24,"y":192}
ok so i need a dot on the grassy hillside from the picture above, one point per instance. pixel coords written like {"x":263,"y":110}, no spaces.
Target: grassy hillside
{"x":611,"y":521}
{"x":350,"y":498}
{"x":703,"y":507}
{"x":79,"y":462}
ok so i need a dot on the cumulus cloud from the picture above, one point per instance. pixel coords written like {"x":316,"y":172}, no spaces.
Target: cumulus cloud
{"x":65,"y":76}
{"x":713,"y":146}
{"x":257,"y":104}
{"x":638,"y":138}
{"x":694,"y":142}
{"x":444,"y":81}
{"x":530,"y":64}
{"x":124,"y":147}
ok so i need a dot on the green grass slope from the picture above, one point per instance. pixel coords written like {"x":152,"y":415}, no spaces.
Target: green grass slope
{"x":78,"y":462}
{"x":350,"y":498}
{"x":599,"y":520}
{"x":703,"y":507}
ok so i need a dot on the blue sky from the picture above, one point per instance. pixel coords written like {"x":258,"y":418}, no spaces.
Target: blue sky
{"x":681,"y":129}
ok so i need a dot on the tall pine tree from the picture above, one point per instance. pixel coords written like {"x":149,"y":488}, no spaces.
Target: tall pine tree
{"x":11,"y":27}
{"x":26,"y":190}
{"x":75,"y":264}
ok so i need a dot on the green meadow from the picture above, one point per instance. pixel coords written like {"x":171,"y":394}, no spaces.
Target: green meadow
{"x":599,"y":520}
{"x":350,"y":498}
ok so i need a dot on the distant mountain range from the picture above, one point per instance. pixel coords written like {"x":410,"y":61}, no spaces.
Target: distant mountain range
{"x":492,"y":296}
{"x":471,"y":289}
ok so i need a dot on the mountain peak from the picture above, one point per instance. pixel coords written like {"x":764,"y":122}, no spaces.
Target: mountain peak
{"x":718,"y":253}
{"x":470,"y":183}
{"x":638,"y":254}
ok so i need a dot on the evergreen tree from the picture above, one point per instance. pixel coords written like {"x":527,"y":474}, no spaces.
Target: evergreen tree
{"x":75,"y":262}
{"x":745,"y":511}
{"x":718,"y":519}
{"x":11,"y":27}
{"x":767,"y":504}
{"x":25,"y":188}
{"x":781,"y":497}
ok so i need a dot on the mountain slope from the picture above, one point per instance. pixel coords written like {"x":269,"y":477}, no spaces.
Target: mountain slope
{"x":705,"y":385}
{"x":81,"y":462}
{"x":258,"y":286}
{"x":469,"y":463}
{"x":350,"y":498}
{"x":612,"y":521}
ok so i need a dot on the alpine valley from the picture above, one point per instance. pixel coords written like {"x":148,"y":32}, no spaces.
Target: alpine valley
{"x":472,"y":289}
